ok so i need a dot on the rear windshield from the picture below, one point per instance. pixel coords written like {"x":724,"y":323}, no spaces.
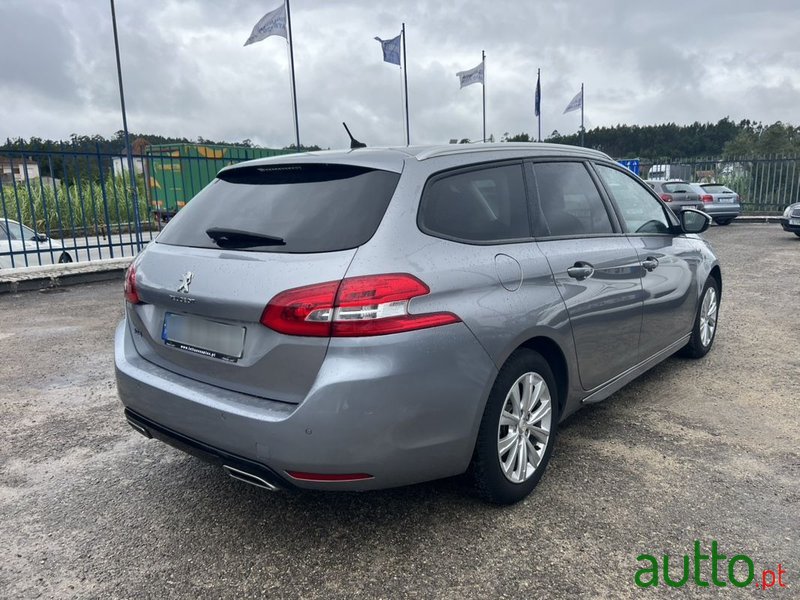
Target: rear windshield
{"x":677,"y":187}
{"x":714,"y":188}
{"x":286,"y":208}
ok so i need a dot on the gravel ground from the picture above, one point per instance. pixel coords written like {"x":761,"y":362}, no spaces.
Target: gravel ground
{"x":693,"y":450}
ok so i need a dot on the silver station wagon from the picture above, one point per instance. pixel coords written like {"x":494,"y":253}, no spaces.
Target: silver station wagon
{"x":355,"y":320}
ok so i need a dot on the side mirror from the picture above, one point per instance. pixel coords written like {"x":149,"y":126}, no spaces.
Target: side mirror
{"x":694,"y":221}
{"x":39,"y":237}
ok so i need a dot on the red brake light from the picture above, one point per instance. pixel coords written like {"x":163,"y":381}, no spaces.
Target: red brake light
{"x":356,"y":306}
{"x":302,"y":311}
{"x":666,"y":197}
{"x":707,"y":198}
{"x":131,"y":295}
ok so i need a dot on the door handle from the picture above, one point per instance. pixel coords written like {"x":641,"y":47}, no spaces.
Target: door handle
{"x":580,"y":270}
{"x":650,"y":263}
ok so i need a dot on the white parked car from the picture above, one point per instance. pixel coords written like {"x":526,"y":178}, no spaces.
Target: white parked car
{"x":21,"y":246}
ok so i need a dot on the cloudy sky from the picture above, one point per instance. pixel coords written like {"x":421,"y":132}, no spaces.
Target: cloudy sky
{"x":187,"y":73}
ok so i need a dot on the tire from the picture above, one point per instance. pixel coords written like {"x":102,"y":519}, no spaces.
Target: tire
{"x":524,"y":370}
{"x":704,"y":329}
{"x":64,"y":258}
{"x":723,"y":221}
{"x":797,"y":233}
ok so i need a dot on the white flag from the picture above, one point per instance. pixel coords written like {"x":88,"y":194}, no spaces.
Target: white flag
{"x":272,"y":23}
{"x":575,"y":103}
{"x":474,"y":75}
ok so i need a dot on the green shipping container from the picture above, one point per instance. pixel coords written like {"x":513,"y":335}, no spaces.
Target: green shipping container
{"x":176,"y":172}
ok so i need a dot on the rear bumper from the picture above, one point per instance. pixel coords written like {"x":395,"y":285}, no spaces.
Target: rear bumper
{"x":679,"y":207}
{"x":403,"y":408}
{"x":724,"y":211}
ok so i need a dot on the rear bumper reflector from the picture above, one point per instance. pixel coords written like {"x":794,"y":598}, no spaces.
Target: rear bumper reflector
{"x":300,"y":476}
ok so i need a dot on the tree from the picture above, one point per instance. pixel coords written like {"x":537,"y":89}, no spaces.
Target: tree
{"x":520,"y":137}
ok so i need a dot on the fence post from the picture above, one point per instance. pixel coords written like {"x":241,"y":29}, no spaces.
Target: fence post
{"x":106,"y":214}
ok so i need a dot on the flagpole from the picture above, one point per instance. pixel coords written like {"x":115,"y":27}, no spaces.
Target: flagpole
{"x":131,"y":172}
{"x":291,"y":63}
{"x":405,"y":85}
{"x":539,"y":98}
{"x":483,"y":86}
{"x":582,"y":128}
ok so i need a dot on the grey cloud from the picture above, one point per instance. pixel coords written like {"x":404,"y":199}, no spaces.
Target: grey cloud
{"x":186,"y":72}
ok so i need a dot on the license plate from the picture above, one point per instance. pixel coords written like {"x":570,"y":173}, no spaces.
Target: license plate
{"x":794,"y":221}
{"x":726,"y":200}
{"x":204,"y":337}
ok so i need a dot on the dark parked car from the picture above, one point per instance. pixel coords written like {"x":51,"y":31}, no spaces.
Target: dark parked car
{"x":790,"y":221}
{"x":380,"y":317}
{"x":719,"y":201}
{"x":678,"y":194}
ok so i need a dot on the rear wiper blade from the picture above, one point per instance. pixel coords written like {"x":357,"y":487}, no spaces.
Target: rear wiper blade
{"x":235,"y":238}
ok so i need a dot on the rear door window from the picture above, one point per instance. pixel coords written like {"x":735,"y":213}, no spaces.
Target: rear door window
{"x":285,"y":208}
{"x":712,"y":188}
{"x":677,"y":188}
{"x":569,"y":201}
{"x":480,"y":205}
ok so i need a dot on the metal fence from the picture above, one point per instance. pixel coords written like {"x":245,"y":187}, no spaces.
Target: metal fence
{"x":766,"y":185}
{"x":80,"y":206}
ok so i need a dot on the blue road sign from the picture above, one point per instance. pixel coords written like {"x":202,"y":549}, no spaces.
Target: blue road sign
{"x":632,"y":164}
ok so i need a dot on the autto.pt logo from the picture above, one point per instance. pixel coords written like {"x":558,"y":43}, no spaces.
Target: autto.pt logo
{"x":705,"y":568}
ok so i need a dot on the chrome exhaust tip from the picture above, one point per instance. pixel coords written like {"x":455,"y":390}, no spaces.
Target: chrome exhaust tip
{"x":246,"y":477}
{"x":139,"y":428}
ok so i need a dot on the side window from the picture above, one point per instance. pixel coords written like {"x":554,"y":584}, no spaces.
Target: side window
{"x":484,"y":205}
{"x":640,"y":211}
{"x":569,"y":201}
{"x":3,"y":234}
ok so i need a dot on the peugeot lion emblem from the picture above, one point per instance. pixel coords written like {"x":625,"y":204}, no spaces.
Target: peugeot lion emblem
{"x":186,"y":281}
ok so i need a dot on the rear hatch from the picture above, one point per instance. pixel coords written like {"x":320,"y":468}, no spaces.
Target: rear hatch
{"x":683,"y":196}
{"x":254,"y":232}
{"x":721,"y":194}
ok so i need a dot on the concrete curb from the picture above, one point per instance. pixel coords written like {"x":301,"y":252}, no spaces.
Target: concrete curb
{"x":758,"y":219}
{"x":55,"y":276}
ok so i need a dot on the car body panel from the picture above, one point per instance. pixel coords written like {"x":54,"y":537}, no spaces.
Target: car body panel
{"x":232,"y":287}
{"x":610,"y":299}
{"x":670,"y":289}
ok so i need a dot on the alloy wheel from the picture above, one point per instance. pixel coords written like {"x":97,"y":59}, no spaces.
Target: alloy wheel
{"x":524,"y":428}
{"x":708,"y":316}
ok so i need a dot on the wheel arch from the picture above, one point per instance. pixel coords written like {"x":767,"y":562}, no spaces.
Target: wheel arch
{"x":555,"y":357}
{"x":716,"y":273}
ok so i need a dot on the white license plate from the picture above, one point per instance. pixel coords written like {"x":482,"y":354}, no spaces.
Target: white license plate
{"x":204,"y":337}
{"x":726,"y":200}
{"x":794,"y":221}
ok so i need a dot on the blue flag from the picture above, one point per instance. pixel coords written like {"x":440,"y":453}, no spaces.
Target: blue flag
{"x":538,"y":102}
{"x":391,"y":50}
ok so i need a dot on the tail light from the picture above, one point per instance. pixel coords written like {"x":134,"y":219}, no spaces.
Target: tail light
{"x":352,"y":307}
{"x":707,"y":198}
{"x":666,"y":197}
{"x":131,"y":295}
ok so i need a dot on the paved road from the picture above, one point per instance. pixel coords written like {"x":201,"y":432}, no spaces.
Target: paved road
{"x":703,"y":450}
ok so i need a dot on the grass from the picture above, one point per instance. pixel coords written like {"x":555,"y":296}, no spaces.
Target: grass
{"x":80,"y":207}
